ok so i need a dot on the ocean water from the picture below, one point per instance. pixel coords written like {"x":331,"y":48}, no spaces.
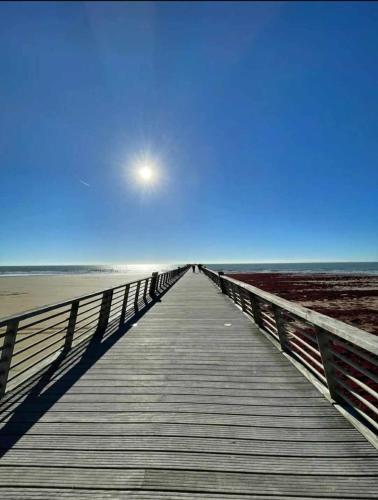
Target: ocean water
{"x":83,"y":269}
{"x":299,"y":267}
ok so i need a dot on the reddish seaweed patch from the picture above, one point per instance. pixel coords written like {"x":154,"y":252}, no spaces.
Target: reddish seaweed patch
{"x":349,"y":298}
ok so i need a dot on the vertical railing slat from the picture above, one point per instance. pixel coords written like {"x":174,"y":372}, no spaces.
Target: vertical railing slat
{"x":103,"y":318}
{"x":136,"y":298}
{"x":256,"y":311}
{"x":153,"y":284}
{"x":326,"y":355}
{"x":280,"y":325}
{"x":6,"y":354}
{"x":145,"y":290}
{"x":124,"y":305}
{"x":242,"y":299}
{"x":221,"y":282}
{"x":71,"y":325}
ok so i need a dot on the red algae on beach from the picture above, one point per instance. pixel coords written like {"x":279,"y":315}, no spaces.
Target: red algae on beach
{"x":349,"y":298}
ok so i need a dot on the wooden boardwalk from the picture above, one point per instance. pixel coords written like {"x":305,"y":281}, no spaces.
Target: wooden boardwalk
{"x":192,"y":402}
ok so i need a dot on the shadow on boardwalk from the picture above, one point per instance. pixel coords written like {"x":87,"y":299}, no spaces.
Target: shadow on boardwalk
{"x":24,"y":406}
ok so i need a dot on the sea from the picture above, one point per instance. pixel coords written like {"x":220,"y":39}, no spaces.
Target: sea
{"x":298,"y":267}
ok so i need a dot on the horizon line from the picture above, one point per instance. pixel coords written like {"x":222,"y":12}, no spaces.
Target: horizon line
{"x":191,"y":261}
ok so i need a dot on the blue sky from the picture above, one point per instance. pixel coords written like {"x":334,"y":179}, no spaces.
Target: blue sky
{"x":261,"y":119}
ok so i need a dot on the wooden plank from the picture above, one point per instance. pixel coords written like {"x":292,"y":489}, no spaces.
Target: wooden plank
{"x":189,"y":481}
{"x":188,"y":430}
{"x":98,"y":415}
{"x":217,"y":462}
{"x":185,"y":398}
{"x":195,"y":444}
{"x":106,"y":494}
{"x":70,"y":413}
{"x":122,"y":393}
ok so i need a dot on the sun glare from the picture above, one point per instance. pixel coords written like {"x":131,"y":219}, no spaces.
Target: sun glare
{"x":146,"y":173}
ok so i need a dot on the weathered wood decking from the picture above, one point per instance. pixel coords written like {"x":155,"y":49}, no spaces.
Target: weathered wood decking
{"x":193,"y":402}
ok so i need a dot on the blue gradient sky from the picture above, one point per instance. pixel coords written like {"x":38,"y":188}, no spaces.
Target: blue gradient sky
{"x":262,"y":117}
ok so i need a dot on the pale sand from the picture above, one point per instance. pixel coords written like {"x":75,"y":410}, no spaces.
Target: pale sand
{"x":22,"y":293}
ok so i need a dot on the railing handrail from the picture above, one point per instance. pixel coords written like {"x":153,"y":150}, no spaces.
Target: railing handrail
{"x":30,"y":313}
{"x":361,"y":338}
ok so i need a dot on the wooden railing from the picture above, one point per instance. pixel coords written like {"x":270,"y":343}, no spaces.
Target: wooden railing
{"x":342,"y":358}
{"x":33,"y":340}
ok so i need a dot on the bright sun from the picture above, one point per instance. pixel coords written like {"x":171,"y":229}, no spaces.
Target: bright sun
{"x":146,"y":173}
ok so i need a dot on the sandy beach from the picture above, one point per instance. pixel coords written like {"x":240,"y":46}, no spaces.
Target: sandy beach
{"x":22,"y":293}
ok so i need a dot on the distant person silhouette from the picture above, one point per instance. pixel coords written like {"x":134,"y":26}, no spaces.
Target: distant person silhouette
{"x":199,"y":267}
{"x":193,"y":268}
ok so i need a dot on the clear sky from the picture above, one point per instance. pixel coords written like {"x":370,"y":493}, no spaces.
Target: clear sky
{"x":260,"y":119}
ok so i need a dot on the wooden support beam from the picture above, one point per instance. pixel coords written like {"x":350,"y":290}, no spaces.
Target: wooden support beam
{"x":324,"y":339}
{"x":256,"y":311}
{"x":6,"y":355}
{"x":242,"y":299}
{"x":124,"y":305}
{"x":136,"y":298}
{"x":153,"y":284}
{"x":281,"y":327}
{"x":221,"y":282}
{"x":71,"y":326}
{"x":106,"y":305}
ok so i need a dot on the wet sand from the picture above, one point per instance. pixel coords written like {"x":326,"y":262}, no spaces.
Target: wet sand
{"x":349,"y":298}
{"x":22,"y":293}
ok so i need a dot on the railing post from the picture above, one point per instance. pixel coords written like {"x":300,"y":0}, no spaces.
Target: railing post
{"x":136,"y":308}
{"x":255,"y":310}
{"x":242,"y":300}
{"x":6,"y":355}
{"x":145,"y":290}
{"x":221,"y":282}
{"x":233,"y":288}
{"x":103,"y":318}
{"x":153,"y":284}
{"x":71,"y":325}
{"x":280,"y":325}
{"x":323,"y":339}
{"x":124,"y":305}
